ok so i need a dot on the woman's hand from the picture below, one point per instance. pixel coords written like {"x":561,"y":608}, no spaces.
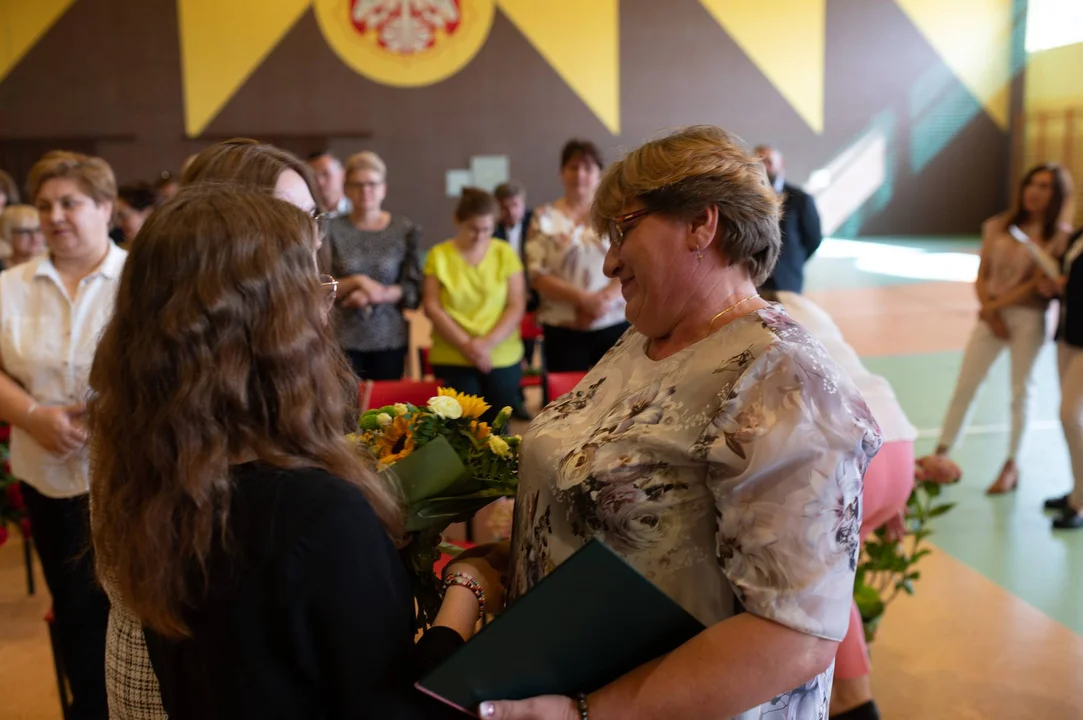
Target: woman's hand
{"x":488,"y":564}
{"x":356,"y":299}
{"x":995,"y":322}
{"x":58,"y":429}
{"x":478,"y":352}
{"x":592,"y":305}
{"x":1051,"y":288}
{"x":376,"y":292}
{"x":547,"y":707}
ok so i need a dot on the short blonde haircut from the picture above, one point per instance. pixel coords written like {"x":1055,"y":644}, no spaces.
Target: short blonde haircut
{"x":683,"y":174}
{"x":17,"y":216}
{"x":93,"y":175}
{"x":366,"y":161}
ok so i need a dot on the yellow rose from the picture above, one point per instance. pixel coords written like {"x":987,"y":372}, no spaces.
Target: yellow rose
{"x":401,"y":409}
{"x":499,"y":446}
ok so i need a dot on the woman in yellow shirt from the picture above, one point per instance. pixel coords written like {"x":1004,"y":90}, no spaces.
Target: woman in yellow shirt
{"x":475,"y":296}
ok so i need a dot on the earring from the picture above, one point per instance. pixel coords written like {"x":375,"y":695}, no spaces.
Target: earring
{"x":699,"y":256}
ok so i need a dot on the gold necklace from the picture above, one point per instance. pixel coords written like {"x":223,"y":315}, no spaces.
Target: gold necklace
{"x":731,"y":308}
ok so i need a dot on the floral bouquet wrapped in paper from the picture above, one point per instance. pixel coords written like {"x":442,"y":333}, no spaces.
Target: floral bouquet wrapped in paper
{"x":447,"y":465}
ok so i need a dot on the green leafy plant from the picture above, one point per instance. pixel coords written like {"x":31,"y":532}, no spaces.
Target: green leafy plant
{"x":888,"y":561}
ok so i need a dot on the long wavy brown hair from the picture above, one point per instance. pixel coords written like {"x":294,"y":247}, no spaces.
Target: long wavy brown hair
{"x":218,"y":353}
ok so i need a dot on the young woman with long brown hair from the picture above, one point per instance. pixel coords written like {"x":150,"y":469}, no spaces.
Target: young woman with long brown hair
{"x":235,"y":520}
{"x":1013,"y":311}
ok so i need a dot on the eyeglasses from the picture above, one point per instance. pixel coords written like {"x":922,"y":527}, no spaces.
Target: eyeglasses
{"x":25,"y":231}
{"x":368,"y":185}
{"x":617,"y":225}
{"x":321,"y":219}
{"x":330,"y":286}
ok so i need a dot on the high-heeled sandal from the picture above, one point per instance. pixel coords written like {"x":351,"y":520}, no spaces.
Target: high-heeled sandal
{"x":1007,"y":481}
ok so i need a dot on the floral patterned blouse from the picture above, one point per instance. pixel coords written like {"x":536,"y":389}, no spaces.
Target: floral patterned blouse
{"x":556,"y":245}
{"x":729,"y":474}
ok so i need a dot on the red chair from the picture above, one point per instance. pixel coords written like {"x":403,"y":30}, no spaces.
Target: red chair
{"x":562,"y":383}
{"x":378,"y":393}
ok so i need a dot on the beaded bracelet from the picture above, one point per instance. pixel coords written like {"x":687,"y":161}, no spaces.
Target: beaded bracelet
{"x":581,"y":706}
{"x":466,"y":581}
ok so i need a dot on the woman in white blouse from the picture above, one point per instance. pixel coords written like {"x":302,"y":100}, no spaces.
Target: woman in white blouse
{"x":52,"y":310}
{"x":581,"y":310}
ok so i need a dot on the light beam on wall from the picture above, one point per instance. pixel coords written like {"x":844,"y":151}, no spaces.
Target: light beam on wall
{"x":974,"y":38}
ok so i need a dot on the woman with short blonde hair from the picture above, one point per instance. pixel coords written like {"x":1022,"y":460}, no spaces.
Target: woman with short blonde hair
{"x":717,"y":448}
{"x":20,"y":227}
{"x":376,"y":257}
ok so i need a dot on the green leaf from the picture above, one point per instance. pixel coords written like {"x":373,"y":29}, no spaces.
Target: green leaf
{"x":869,"y":603}
{"x":941,"y":509}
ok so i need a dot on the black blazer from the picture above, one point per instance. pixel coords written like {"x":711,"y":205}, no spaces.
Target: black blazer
{"x":1070,"y":329}
{"x":501,"y":233}
{"x":801,"y":236}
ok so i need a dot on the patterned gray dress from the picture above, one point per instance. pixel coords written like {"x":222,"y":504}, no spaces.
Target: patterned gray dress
{"x":390,"y":257}
{"x":729,"y":474}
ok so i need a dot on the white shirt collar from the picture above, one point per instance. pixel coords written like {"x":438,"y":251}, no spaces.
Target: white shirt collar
{"x":110,"y":267}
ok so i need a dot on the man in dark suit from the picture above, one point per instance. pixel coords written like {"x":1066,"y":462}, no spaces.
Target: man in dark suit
{"x":512,"y":227}
{"x":800,"y":225}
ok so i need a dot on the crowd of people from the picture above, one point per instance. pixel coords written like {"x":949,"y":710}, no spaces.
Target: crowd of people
{"x":202,"y":340}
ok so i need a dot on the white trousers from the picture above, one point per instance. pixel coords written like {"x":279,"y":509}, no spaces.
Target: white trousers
{"x":1026,"y":327}
{"x":1070,"y":364}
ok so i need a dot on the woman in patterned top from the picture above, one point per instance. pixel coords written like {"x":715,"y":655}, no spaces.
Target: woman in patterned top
{"x":717,"y":447}
{"x":581,"y":310}
{"x":374,"y":255}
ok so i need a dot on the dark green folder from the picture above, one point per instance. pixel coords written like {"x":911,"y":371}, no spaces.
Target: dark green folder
{"x":587,"y":623}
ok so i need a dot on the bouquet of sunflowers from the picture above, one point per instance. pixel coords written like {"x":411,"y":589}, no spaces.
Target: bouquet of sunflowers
{"x":446,"y":465}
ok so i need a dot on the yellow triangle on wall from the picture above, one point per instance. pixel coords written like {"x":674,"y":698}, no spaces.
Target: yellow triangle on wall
{"x":974,"y":38}
{"x":580,"y":40}
{"x":22,"y":24}
{"x":785,"y":40}
{"x":222,"y":43}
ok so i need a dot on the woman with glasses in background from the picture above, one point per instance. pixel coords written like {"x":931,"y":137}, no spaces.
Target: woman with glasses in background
{"x":375,"y":257}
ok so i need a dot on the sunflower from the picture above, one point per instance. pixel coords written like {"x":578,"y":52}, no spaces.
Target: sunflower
{"x":472,"y":405}
{"x":396,"y":441}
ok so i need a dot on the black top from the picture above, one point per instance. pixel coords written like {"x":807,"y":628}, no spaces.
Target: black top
{"x":1070,"y":330}
{"x":309,"y":616}
{"x":801,"y":236}
{"x":501,"y":233}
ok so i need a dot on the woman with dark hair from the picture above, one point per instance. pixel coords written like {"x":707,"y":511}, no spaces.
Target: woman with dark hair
{"x":475,"y":298}
{"x":1015,"y":245}
{"x":135,"y":201}
{"x":581,"y":310}
{"x":254,"y":544}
